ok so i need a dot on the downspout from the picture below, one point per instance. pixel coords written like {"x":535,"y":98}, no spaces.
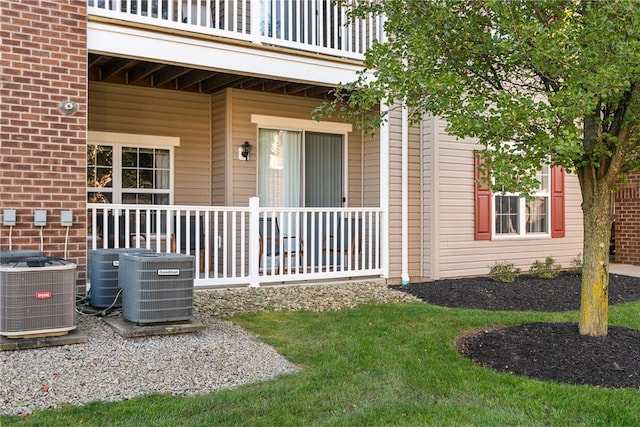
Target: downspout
{"x":405,"y":194}
{"x":384,"y":192}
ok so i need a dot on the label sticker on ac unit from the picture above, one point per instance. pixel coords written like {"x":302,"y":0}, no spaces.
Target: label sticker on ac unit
{"x":44,"y":294}
{"x":168,"y":272}
{"x":115,"y":263}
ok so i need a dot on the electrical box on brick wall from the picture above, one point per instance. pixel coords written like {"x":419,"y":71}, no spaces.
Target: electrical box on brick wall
{"x":40,"y":218}
{"x":9,"y":217}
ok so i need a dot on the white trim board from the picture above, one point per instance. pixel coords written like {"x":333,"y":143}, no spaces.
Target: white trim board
{"x":300,"y":124}
{"x":214,"y":55}
{"x":94,"y":137}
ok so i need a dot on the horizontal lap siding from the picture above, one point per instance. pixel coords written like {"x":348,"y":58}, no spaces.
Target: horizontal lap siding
{"x":219,"y":153}
{"x":395,"y":199}
{"x":371,"y":171}
{"x":129,"y":109}
{"x":245,"y":103}
{"x":459,"y":253}
{"x":429,"y":204}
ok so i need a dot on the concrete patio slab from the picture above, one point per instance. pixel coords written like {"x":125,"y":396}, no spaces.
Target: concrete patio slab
{"x":133,"y":330}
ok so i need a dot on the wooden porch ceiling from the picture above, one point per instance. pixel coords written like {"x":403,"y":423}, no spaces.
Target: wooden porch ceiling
{"x":103,"y":68}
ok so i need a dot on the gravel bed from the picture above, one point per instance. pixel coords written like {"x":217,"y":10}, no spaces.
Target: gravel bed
{"x":110,"y":368}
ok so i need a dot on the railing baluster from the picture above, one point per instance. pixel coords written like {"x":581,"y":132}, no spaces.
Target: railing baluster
{"x":225,"y":237}
{"x":216,"y":247}
{"x":216,"y":23}
{"x":322,"y":243}
{"x":317,"y":26}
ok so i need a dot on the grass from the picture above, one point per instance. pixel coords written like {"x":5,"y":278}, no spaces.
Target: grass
{"x":376,"y":365}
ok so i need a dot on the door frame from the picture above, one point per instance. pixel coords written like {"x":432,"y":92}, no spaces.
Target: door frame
{"x":302,"y":125}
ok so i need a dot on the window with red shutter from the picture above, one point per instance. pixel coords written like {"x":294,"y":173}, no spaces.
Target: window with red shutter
{"x":515,"y":216}
{"x":482,"y":204}
{"x":557,"y":202}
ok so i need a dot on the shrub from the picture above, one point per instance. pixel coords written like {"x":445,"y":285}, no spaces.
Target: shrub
{"x":549,"y":269}
{"x":576,"y":264}
{"x":504,"y":272}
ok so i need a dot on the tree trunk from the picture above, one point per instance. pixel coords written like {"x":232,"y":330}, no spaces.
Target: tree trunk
{"x":594,"y":301}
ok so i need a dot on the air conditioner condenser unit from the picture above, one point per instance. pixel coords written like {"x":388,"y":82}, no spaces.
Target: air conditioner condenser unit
{"x":103,"y":276}
{"x":157,"y":288}
{"x":37,"y":297}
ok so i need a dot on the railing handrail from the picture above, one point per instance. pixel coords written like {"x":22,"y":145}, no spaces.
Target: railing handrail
{"x":131,"y":206}
{"x":316,"y":26}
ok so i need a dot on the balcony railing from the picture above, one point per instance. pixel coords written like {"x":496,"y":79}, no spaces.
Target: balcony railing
{"x":317,"y":26}
{"x":248,"y":245}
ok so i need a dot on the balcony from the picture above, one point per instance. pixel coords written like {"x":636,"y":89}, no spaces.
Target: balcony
{"x":316,"y":26}
{"x":240,"y":246}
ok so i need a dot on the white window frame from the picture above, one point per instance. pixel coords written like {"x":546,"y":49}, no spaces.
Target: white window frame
{"x":120,"y":140}
{"x":522,"y":225}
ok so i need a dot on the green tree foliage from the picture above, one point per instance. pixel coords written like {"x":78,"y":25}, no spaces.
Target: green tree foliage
{"x":535,"y":81}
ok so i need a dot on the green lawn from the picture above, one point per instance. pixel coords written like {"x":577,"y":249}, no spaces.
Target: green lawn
{"x":376,"y":366}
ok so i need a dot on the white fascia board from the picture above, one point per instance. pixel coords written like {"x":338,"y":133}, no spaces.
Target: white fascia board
{"x":232,"y":58}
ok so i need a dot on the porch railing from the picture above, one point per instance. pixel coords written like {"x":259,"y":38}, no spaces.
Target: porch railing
{"x":318,"y":26}
{"x":235,"y":246}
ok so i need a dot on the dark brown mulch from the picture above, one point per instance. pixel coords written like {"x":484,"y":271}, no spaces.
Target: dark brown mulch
{"x":525,"y":294}
{"x":544,"y":351}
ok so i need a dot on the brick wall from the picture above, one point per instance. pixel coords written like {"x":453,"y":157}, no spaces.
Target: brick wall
{"x":42,"y":151}
{"x":627,"y":217}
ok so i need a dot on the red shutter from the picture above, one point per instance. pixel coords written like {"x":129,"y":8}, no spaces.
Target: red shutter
{"x":482,"y":204}
{"x":557,"y":202}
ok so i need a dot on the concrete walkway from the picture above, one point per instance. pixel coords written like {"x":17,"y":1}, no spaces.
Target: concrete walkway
{"x":624,"y":270}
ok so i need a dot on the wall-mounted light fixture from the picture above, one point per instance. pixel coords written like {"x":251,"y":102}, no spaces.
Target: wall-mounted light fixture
{"x":246,"y":149}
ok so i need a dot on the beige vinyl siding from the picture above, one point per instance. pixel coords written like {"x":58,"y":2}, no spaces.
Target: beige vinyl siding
{"x":415,"y":203}
{"x":429,"y":192}
{"x":395,"y":200}
{"x":130,"y":109}
{"x":243,"y":104}
{"x":458,"y":253}
{"x":219,"y":153}
{"x":370,"y":170}
{"x":354,"y":171}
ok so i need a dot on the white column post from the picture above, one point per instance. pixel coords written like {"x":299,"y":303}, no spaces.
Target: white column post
{"x":384,"y":192}
{"x":405,"y":194}
{"x":254,"y":237}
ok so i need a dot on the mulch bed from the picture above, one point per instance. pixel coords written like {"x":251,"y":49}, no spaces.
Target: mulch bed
{"x":544,"y":351}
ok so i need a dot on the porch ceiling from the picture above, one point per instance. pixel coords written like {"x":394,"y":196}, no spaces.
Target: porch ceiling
{"x":104,"y":68}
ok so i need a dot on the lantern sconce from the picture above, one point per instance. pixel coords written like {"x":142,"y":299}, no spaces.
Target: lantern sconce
{"x":245,"y":149}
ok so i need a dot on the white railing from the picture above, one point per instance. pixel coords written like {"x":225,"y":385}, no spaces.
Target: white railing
{"x":319,"y":26}
{"x":247,"y":245}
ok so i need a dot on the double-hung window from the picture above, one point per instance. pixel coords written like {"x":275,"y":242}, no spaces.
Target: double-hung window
{"x":519,"y":216}
{"x":127,"y":168}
